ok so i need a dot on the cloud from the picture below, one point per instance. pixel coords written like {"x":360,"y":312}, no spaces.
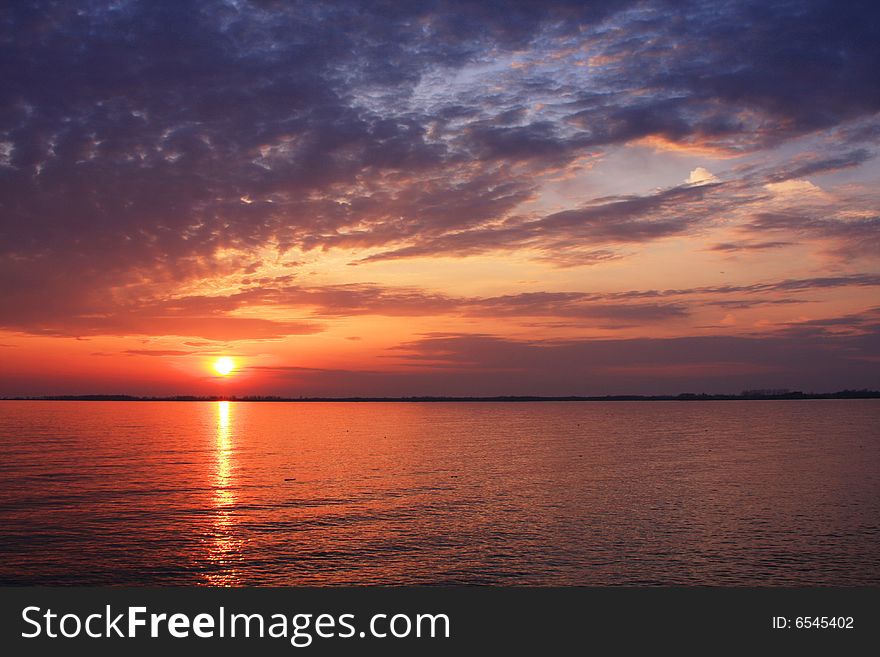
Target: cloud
{"x":768,"y":287}
{"x":794,"y":187}
{"x":49,"y":312}
{"x":700,"y":176}
{"x":844,"y":238}
{"x":809,"y":164}
{"x":575,"y":233}
{"x":145,"y":146}
{"x":218,"y":317}
{"x":157,"y":352}
{"x":864,"y":323}
{"x":730,"y":247}
{"x":484,"y":364}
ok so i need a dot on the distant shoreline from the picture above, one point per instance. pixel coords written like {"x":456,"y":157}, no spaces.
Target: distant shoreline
{"x":749,"y":395}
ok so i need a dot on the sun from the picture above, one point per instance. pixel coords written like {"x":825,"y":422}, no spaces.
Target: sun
{"x":224,"y":366}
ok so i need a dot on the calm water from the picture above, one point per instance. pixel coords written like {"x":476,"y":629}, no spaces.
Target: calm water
{"x":725,"y":493}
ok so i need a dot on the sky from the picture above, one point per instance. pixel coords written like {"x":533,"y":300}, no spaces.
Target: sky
{"x":439,"y":197}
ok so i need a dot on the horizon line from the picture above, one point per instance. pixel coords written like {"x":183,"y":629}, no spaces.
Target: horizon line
{"x":749,"y":395}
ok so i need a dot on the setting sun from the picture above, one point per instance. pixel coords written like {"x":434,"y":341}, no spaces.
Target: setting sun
{"x":224,"y":366}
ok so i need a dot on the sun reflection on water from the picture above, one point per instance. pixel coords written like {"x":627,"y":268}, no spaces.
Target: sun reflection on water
{"x":225,"y":546}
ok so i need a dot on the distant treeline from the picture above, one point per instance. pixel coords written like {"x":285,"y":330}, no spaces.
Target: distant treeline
{"x":684,"y":396}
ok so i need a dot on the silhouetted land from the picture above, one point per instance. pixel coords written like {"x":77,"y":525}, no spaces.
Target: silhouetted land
{"x":685,"y":396}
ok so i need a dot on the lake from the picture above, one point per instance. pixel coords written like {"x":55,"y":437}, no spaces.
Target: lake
{"x":723,"y":493}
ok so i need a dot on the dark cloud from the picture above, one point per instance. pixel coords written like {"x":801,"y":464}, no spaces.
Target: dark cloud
{"x":747,"y":74}
{"x":95,"y":313}
{"x":214,"y":317}
{"x":478,"y":364}
{"x":616,"y":221}
{"x":541,"y":140}
{"x":770,"y":287}
{"x":142,"y":141}
{"x":731,"y":247}
{"x":135,"y":129}
{"x":157,"y":352}
{"x":743,"y":303}
{"x":864,"y":323}
{"x":817,"y":165}
{"x":846,"y":238}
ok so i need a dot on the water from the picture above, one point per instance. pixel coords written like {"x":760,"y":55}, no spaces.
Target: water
{"x":219,"y":493}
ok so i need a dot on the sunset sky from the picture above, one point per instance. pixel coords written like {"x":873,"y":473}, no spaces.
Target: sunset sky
{"x":439,"y":197}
